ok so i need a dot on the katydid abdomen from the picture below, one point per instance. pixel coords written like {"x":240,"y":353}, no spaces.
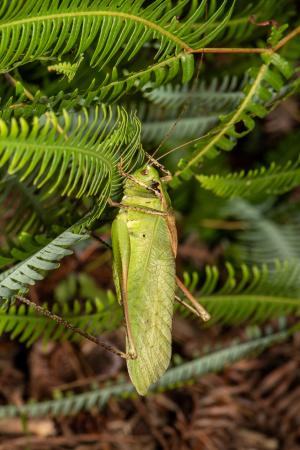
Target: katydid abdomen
{"x":144,"y":274}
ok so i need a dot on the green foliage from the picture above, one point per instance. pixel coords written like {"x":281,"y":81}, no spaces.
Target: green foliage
{"x":217,"y":95}
{"x":34,"y":266}
{"x":76,"y":158}
{"x":63,"y":154}
{"x":254,"y":294}
{"x":25,"y":325}
{"x":259,"y":182}
{"x":81,"y":24}
{"x":66,"y":68}
{"x":241,"y":28}
{"x":32,"y":209}
{"x":174,"y":378}
{"x":260,"y":90}
{"x":202,"y":104}
{"x":263,"y":240}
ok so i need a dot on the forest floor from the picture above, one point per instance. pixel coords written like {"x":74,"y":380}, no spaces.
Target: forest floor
{"x":252,"y":405}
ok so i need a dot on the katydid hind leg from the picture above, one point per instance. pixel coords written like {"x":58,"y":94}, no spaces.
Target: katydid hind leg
{"x":120,"y":237}
{"x":65,"y":323}
{"x":205,"y":316}
{"x":187,"y":306}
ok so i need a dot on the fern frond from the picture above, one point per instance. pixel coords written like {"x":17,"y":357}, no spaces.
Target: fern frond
{"x":173,"y":378}
{"x":31,"y":210}
{"x":264,"y":83}
{"x":115,"y":86}
{"x":23,"y":246}
{"x":65,"y":68}
{"x":240,"y":28}
{"x":275,"y":179}
{"x":76,"y":158}
{"x":217,"y":95}
{"x":202,"y":104}
{"x":16,"y":279}
{"x":104,"y":25}
{"x":264,"y":240}
{"x":251,"y":293}
{"x":154,"y":130}
{"x":25,"y":325}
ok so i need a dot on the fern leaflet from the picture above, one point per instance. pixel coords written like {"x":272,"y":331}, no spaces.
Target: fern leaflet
{"x":77,"y":158}
{"x":25,"y":325}
{"x":255,"y":293}
{"x":263,"y":84}
{"x":262,"y":181}
{"x":104,"y":25}
{"x":16,"y":279}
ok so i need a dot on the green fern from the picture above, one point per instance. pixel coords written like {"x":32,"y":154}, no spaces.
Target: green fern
{"x":116,"y":85}
{"x":259,"y":92}
{"x":240,"y":28}
{"x":217,"y":95}
{"x":254,"y":294}
{"x":65,"y":68}
{"x":173,"y":378}
{"x":264,"y":240}
{"x":31,"y":209}
{"x":202,"y":105}
{"x":77,"y":158}
{"x":154,"y":130}
{"x":61,"y":27}
{"x":16,"y":279}
{"x":262,"y":181}
{"x":25,"y":325}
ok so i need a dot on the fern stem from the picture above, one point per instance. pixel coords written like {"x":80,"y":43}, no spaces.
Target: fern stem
{"x":45,"y":312}
{"x":242,"y":50}
{"x":287,"y":38}
{"x":230,"y":50}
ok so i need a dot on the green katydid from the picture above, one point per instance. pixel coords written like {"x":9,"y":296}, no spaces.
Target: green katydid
{"x":144,"y":241}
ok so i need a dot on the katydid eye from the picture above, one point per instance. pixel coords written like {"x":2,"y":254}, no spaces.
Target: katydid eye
{"x":145,"y":172}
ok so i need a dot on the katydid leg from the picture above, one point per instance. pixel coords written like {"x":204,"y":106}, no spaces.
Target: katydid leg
{"x":187,"y":306}
{"x":201,"y":311}
{"x":61,"y":321}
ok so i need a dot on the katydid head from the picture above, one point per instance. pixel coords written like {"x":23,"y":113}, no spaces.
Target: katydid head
{"x":147,"y":175}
